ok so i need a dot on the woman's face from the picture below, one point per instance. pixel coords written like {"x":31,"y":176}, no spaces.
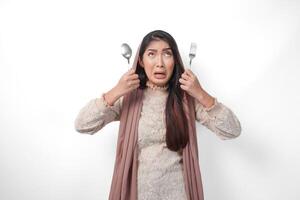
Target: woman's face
{"x":158,"y":62}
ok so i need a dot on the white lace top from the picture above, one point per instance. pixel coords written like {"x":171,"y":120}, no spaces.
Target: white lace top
{"x":159,"y":169}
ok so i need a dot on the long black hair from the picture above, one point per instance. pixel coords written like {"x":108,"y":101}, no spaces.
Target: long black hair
{"x":176,"y":120}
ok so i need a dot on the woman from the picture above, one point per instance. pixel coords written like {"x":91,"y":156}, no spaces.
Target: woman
{"x":157,"y":102}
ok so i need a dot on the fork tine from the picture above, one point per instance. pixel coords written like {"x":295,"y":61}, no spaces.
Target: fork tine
{"x":192,"y":53}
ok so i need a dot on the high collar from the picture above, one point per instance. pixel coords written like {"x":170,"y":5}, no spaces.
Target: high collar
{"x":156,"y":87}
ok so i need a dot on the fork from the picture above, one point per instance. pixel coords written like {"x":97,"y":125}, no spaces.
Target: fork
{"x":192,"y":53}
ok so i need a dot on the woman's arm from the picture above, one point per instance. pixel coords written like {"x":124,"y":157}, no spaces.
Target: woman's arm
{"x":219,"y":119}
{"x":100,"y":111}
{"x":96,"y":114}
{"x":212,"y":114}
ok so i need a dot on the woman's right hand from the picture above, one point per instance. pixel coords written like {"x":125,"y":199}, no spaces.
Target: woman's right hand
{"x":128,"y":82}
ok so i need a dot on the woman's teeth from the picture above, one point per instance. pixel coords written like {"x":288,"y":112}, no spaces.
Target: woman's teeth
{"x":159,"y":75}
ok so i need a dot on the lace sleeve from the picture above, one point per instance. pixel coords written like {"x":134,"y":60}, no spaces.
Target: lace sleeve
{"x":96,"y":114}
{"x":219,"y":119}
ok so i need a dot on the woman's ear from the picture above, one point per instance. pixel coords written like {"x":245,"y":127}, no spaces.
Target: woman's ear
{"x":141,"y":63}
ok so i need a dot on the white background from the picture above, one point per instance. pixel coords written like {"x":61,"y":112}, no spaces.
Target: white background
{"x":57,"y":55}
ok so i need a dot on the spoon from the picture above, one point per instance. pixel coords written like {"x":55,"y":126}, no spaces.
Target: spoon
{"x":126,"y":51}
{"x":192,"y":53}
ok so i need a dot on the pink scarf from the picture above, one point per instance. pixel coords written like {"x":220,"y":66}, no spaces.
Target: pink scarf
{"x":124,"y":180}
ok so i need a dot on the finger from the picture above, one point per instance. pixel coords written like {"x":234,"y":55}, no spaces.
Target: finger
{"x":183,"y":81}
{"x":185,"y":76}
{"x":183,"y":87}
{"x":189,"y":72}
{"x":133,"y":83}
{"x":131,"y":71}
{"x":133,"y":76}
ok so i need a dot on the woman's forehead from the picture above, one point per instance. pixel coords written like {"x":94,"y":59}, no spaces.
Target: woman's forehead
{"x":158,"y":45}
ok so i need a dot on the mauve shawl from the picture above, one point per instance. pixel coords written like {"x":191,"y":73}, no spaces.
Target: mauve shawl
{"x":124,"y":179}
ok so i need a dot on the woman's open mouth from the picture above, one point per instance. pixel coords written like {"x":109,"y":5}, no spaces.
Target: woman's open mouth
{"x":159,"y":75}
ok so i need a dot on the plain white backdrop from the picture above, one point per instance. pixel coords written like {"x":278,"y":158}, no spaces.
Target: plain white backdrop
{"x":57,"y":55}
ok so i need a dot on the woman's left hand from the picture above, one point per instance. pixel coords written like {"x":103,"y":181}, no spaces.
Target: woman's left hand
{"x":189,"y":82}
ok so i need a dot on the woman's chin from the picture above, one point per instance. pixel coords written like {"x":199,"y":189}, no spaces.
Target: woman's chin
{"x":160,"y":82}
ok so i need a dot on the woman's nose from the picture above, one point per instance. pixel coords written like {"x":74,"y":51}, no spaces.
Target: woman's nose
{"x":160,"y":62}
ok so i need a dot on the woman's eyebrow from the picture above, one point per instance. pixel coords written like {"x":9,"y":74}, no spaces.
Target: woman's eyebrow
{"x":165,"y":49}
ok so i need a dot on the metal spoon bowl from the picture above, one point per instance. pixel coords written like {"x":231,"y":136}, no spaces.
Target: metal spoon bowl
{"x":126,"y":51}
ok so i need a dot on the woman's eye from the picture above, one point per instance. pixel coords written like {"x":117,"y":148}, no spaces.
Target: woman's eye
{"x":168,"y":53}
{"x":150,"y":54}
